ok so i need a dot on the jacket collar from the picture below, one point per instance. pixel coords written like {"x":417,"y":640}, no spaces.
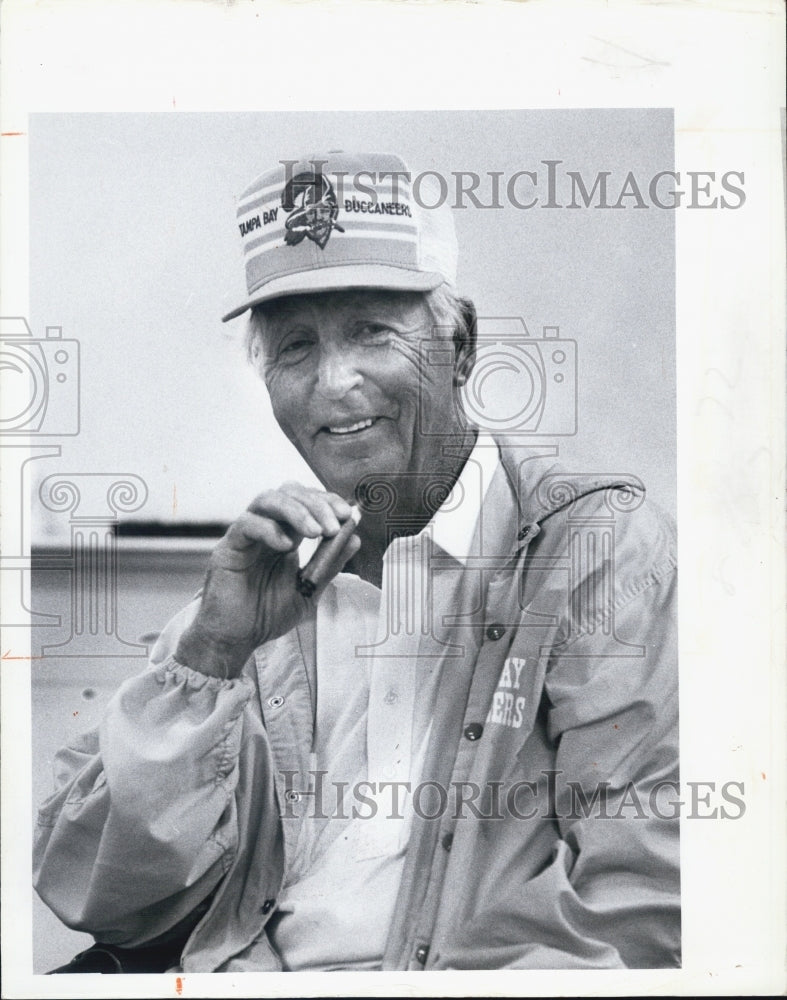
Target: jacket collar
{"x":544,"y":486}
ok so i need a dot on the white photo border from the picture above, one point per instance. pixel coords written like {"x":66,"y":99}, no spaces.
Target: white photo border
{"x":720,"y":67}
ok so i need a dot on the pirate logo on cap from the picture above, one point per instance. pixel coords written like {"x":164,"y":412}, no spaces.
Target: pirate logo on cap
{"x":313,"y":207}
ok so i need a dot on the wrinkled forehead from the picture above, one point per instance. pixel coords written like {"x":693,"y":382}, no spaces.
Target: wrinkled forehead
{"x":368,"y":303}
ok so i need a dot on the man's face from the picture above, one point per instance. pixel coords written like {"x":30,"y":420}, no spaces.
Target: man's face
{"x":351,"y":386}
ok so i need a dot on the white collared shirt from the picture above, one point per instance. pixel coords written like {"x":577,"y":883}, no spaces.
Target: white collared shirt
{"x":376,"y":688}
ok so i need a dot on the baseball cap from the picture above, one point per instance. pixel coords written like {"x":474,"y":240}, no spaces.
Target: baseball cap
{"x":344,"y":220}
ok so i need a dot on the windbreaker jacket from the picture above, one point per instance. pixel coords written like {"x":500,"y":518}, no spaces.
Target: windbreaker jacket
{"x":557,"y":844}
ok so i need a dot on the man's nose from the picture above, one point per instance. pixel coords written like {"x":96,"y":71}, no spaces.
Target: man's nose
{"x":337,"y":372}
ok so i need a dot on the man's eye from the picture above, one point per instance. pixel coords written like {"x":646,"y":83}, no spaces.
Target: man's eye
{"x":294,"y":350}
{"x":371,"y":333}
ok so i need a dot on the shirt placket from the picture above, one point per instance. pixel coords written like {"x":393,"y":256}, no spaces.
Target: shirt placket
{"x":403,"y":617}
{"x":421,"y":944}
{"x":288,"y":717}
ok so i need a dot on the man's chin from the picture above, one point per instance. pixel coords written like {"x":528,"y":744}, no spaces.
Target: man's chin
{"x":358,"y":477}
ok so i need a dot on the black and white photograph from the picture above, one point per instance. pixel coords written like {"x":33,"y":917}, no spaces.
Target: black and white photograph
{"x":346,"y":453}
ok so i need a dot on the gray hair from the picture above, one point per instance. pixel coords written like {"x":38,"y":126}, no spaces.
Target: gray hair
{"x":447,"y":310}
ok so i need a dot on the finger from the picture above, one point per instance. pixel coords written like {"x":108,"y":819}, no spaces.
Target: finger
{"x":250,"y":530}
{"x":326,"y":508}
{"x":341,"y":508}
{"x":289,"y":511}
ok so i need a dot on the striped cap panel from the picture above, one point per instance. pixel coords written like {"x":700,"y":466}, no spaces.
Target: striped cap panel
{"x":364,"y":249}
{"x":339,"y":210}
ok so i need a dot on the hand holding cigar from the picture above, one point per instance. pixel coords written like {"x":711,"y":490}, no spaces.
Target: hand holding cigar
{"x":317,"y":570}
{"x":254,"y":591}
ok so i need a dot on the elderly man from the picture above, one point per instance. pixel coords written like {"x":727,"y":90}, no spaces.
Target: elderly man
{"x":448,"y":743}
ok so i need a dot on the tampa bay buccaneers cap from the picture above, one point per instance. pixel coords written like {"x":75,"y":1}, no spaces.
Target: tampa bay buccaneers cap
{"x":344,"y":220}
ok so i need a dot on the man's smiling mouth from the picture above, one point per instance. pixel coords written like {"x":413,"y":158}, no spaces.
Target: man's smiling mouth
{"x":355,"y":428}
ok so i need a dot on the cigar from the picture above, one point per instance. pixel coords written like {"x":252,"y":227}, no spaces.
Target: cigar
{"x":313,"y":574}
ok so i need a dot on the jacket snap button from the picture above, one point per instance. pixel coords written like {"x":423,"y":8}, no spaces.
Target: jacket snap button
{"x":495,"y":632}
{"x":276,"y":701}
{"x":473,"y":731}
{"x":421,"y":953}
{"x":448,"y":840}
{"x":292,"y":796}
{"x":268,"y":905}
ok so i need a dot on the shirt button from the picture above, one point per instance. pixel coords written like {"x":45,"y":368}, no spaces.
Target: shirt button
{"x":276,"y":701}
{"x":391,"y":698}
{"x":448,"y":841}
{"x":495,"y":632}
{"x":292,"y":796}
{"x":523,"y":532}
{"x":421,"y":953}
{"x":473,"y":731}
{"x":268,"y":905}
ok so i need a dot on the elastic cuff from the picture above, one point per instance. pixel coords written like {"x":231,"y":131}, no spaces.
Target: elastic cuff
{"x":195,"y":679}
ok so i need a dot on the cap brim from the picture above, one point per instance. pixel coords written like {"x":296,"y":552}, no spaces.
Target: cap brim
{"x":326,"y":279}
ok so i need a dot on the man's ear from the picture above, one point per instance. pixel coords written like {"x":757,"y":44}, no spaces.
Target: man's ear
{"x":465,"y":341}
